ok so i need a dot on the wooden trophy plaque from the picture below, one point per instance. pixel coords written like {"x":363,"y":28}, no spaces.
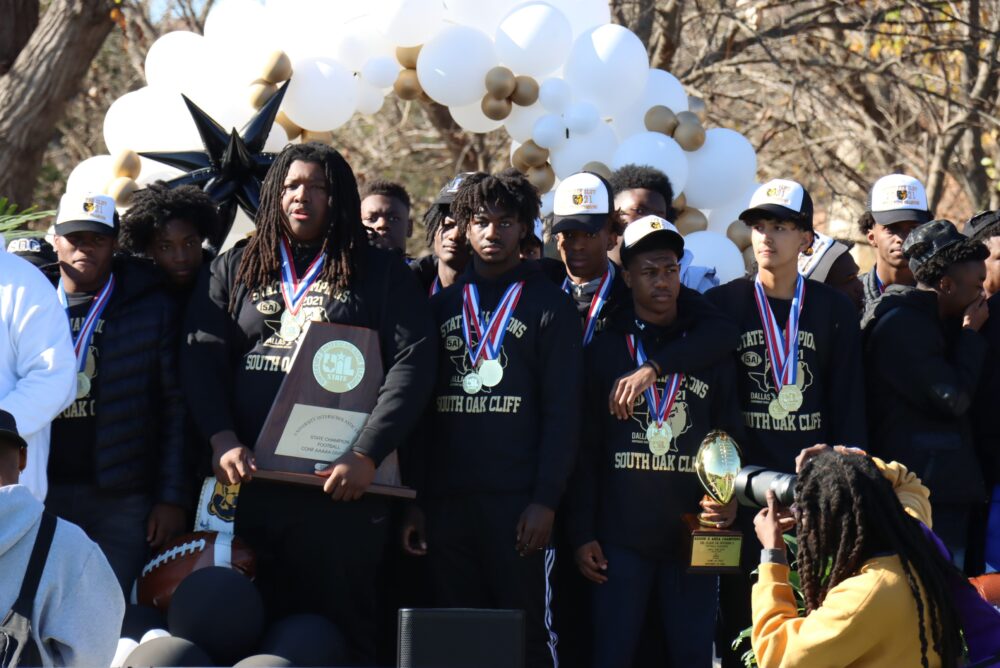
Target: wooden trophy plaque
{"x":711,"y":550}
{"x":321,"y":407}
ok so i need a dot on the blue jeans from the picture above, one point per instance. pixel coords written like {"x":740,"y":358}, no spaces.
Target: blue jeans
{"x":687,"y":604}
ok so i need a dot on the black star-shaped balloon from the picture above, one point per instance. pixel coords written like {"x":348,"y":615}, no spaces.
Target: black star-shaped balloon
{"x":233,"y":164}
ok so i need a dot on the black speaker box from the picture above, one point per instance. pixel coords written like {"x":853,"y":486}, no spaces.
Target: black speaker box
{"x":460,"y":638}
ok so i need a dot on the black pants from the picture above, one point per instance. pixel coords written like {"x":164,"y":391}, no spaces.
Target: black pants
{"x":474,"y":564}
{"x":315,"y":555}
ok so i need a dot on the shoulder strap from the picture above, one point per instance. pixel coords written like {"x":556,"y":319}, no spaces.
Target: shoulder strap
{"x":36,"y":564}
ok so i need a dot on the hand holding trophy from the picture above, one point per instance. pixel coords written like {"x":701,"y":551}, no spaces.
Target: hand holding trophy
{"x":714,"y":549}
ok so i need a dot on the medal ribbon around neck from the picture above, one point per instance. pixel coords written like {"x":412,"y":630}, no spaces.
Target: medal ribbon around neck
{"x":293,"y":288}
{"x":489,"y":335}
{"x":597,"y":303}
{"x":435,"y":287}
{"x":783,"y":350}
{"x":659,"y":404}
{"x":879,"y":284}
{"x":81,"y":342}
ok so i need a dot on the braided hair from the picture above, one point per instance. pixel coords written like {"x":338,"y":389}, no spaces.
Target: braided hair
{"x":847,"y":512}
{"x":345,"y":235}
{"x":509,"y":190}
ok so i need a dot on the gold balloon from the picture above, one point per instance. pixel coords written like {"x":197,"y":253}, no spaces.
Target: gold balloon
{"x":661,"y":119}
{"x":598,"y":167}
{"x":126,"y":164}
{"x":494,"y":109}
{"x":680,"y":203}
{"x":407,"y":56}
{"x":691,"y":220}
{"x":532,"y":154}
{"x":525,"y":92}
{"x":739,"y":233}
{"x":688,"y":117}
{"x":407,"y":85}
{"x":324,"y":137}
{"x":291,"y":129}
{"x":121,"y":190}
{"x":543,"y":178}
{"x":500,"y":83}
{"x":749,"y":260}
{"x":517,"y":161}
{"x":690,"y":136}
{"x":260,"y":92}
{"x":696,"y":105}
{"x":277,"y":68}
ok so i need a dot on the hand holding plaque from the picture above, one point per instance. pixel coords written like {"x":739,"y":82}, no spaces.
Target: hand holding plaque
{"x":714,"y":549}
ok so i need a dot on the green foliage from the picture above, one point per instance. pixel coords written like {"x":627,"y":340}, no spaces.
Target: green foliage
{"x":15,"y":224}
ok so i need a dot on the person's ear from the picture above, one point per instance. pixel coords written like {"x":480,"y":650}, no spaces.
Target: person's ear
{"x":22,"y":459}
{"x":946,"y":284}
{"x":871,"y":237}
{"x":627,"y":277}
{"x":807,"y":241}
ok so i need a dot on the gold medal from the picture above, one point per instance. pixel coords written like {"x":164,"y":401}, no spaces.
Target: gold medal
{"x":490,"y":372}
{"x":790,"y":398}
{"x":82,"y":385}
{"x":776,"y":410}
{"x":659,"y":438}
{"x":472,"y":383}
{"x":290,"y":329}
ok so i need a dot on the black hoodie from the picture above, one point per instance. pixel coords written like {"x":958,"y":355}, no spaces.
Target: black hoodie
{"x":622,"y":493}
{"x":232,"y":366}
{"x":521,"y":435}
{"x":922,"y":376}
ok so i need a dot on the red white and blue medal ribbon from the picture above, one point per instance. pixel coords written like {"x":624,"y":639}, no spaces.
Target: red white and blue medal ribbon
{"x":489,"y":335}
{"x":435,"y":287}
{"x":293,"y":288}
{"x":81,"y":342}
{"x":782,"y":348}
{"x":878,"y":283}
{"x":596,"y":304}
{"x":659,"y":404}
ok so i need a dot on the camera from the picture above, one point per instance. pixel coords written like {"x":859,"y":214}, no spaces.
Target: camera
{"x":752,"y":483}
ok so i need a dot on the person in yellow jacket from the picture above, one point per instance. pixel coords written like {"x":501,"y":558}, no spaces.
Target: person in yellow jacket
{"x":886,"y":599}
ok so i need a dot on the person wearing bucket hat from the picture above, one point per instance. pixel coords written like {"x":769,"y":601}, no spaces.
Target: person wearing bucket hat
{"x":985,"y":227}
{"x":897,"y":204}
{"x":924,"y":355}
{"x":449,"y":248}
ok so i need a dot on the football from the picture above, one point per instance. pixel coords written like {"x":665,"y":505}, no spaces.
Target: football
{"x":185,"y":555}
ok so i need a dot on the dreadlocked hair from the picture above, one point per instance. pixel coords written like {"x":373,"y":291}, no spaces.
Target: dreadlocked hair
{"x":345,"y":235}
{"x":438,"y":212}
{"x":156,"y":205}
{"x":510,"y":191}
{"x":847,"y":513}
{"x":932,"y":271}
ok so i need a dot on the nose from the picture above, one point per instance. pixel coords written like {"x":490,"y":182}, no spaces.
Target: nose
{"x":491,"y":231}
{"x":381,"y":221}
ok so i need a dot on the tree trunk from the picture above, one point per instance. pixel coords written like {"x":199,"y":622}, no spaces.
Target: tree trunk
{"x":43,"y":78}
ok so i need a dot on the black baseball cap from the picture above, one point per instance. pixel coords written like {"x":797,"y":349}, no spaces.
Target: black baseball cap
{"x":36,"y":251}
{"x":930,"y":240}
{"x":582,"y":201}
{"x":8,"y":431}
{"x":447,"y":194}
{"x":781,"y":199}
{"x":983,"y":225}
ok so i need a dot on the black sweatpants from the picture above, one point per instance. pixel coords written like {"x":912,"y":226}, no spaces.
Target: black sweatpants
{"x":315,"y":555}
{"x":474,"y":564}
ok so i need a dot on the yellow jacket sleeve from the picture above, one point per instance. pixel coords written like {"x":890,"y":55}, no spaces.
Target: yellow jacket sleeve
{"x":914,"y":496}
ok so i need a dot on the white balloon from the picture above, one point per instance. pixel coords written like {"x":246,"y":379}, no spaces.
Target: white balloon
{"x":470,"y":117}
{"x":555,"y":95}
{"x":91,"y":175}
{"x":584,"y":15}
{"x":357,"y":41}
{"x":174,"y":58}
{"x":452,"y":66}
{"x":521,"y":122}
{"x":370,"y":99}
{"x":548,"y":201}
{"x":662,"y":88}
{"x":655,"y":150}
{"x":711,"y":249}
{"x":152,"y":170}
{"x":237,"y":21}
{"x":581,"y":117}
{"x":152,"y":634}
{"x":720,"y":170}
{"x":722,"y":216}
{"x":599,"y":144}
{"x":276,"y":140}
{"x":380,"y":71}
{"x":549,"y":131}
{"x":125,"y":647}
{"x":534,"y":39}
{"x":483,"y":16}
{"x":408,"y":22}
{"x":608,"y":67}
{"x":150,"y":119}
{"x":322,"y":95}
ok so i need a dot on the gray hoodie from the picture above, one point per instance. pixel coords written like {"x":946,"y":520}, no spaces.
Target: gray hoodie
{"x":79,"y":606}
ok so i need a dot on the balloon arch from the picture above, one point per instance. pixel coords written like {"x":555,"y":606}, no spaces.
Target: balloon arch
{"x":571,"y":89}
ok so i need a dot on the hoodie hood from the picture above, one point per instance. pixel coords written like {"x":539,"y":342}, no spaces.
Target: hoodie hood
{"x":21,"y":512}
{"x":898,"y":296}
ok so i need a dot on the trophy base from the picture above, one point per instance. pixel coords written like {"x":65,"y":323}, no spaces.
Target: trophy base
{"x":318,"y":481}
{"x":712,"y":551}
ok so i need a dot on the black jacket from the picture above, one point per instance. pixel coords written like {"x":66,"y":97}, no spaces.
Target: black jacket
{"x":922,"y":375}
{"x":621,"y":493}
{"x":233,"y":365}
{"x":520,"y":436}
{"x":986,"y":422}
{"x":140,"y":413}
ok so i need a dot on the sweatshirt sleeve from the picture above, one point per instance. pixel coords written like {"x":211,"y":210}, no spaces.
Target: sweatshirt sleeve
{"x":173,"y":478}
{"x":559,"y":393}
{"x":581,"y":502}
{"x":845,"y":391}
{"x":44,"y":362}
{"x":409,"y":351}
{"x":912,"y":493}
{"x":206,"y":367}
{"x":713,"y":336}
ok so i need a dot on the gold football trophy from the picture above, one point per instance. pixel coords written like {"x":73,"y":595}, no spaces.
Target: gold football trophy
{"x":714,"y":549}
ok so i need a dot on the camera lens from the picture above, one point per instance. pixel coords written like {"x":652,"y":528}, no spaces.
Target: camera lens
{"x":752,"y":484}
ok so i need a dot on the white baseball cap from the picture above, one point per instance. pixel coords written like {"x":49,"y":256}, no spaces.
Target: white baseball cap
{"x":582,"y":201}
{"x":88,"y":212}
{"x":898,"y":198}
{"x":783,"y":199}
{"x":641,"y":233}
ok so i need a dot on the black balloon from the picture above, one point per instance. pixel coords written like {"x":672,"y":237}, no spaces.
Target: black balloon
{"x":168,"y":651}
{"x":233,"y":164}
{"x":219,"y":610}
{"x":139,"y":619}
{"x":264,"y":661}
{"x":307,"y":640}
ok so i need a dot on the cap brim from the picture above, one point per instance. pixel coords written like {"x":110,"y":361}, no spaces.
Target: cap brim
{"x":658,"y":239}
{"x":62,"y":229}
{"x":902,"y":216}
{"x":772,"y":211}
{"x":592,"y":222}
{"x":13,"y":438}
{"x":444,"y":200}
